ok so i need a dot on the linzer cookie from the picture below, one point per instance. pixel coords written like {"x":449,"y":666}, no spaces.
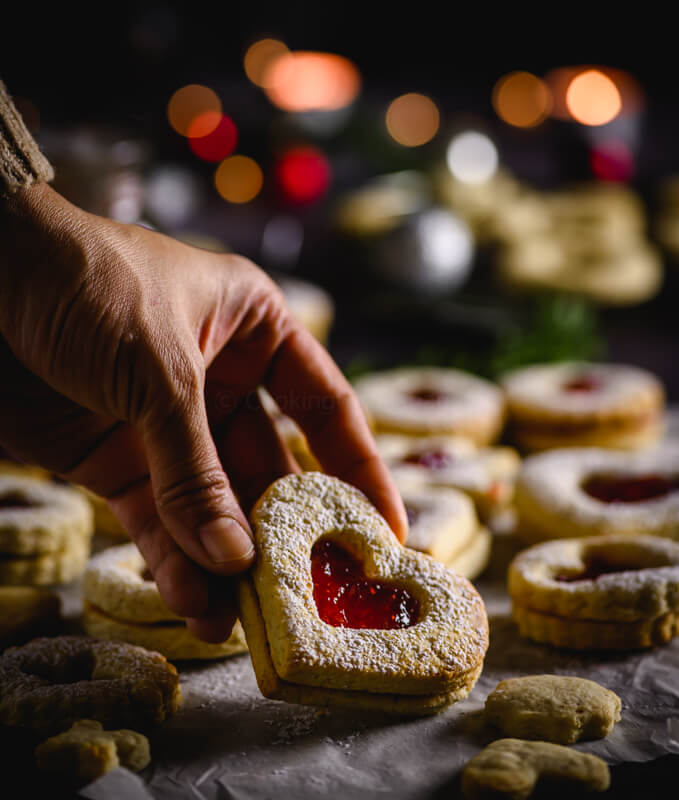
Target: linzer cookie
{"x":122,"y":603}
{"x":45,"y":530}
{"x":421,"y":401}
{"x":337,"y":612}
{"x":444,"y":524}
{"x":583,"y":404}
{"x":594,"y":491}
{"x":486,"y":474}
{"x":597,"y":593}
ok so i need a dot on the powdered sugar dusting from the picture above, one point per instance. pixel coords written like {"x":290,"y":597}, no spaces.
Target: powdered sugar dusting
{"x":467,"y":404}
{"x":551,"y":501}
{"x":646,"y":592}
{"x":619,"y":388}
{"x":114,"y":583}
{"x":435,"y":654}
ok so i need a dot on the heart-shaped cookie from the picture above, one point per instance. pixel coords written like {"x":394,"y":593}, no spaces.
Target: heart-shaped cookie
{"x":405,"y":633}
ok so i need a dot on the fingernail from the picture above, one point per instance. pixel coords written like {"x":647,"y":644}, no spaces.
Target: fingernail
{"x":226,"y":541}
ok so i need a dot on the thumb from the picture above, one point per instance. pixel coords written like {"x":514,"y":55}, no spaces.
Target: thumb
{"x":193,"y":496}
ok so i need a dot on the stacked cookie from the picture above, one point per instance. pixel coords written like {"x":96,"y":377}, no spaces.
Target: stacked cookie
{"x":121,"y":602}
{"x":429,"y":401}
{"x":337,"y":612}
{"x":583,"y":404}
{"x":45,"y":530}
{"x":601,"y":568}
{"x":592,"y":242}
{"x":437,"y":430}
{"x":444,"y":524}
{"x":486,"y":474}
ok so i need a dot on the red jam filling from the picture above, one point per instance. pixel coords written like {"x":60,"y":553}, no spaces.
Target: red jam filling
{"x":427,"y":395}
{"x":15,"y":500}
{"x":582,"y":383}
{"x":596,"y":567}
{"x":629,"y":490}
{"x":429,"y":459}
{"x":346,"y":598}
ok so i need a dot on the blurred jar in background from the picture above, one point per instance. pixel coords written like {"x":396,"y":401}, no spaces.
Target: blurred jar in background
{"x":99,"y":170}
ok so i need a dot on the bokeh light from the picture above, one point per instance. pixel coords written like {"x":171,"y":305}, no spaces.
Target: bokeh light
{"x":303,"y":174}
{"x":190,"y":102}
{"x":412,"y":119}
{"x":472,"y":157}
{"x":259,"y":58}
{"x":612,"y":161}
{"x":311,"y":81}
{"x":282,"y":240}
{"x":218,"y":143}
{"x":632,"y":95}
{"x":203,"y":124}
{"x":593,"y":98}
{"x":239,"y":179}
{"x":522,"y":99}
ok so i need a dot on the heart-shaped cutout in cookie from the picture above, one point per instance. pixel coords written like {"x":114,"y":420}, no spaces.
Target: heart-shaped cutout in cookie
{"x":347,"y":598}
{"x":434,"y":659}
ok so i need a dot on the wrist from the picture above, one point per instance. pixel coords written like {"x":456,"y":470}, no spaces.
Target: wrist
{"x":21,"y":161}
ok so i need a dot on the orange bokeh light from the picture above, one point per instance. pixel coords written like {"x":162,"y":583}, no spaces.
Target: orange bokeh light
{"x":522,"y":99}
{"x":310,"y":81}
{"x":559,"y":80}
{"x":191,"y":102}
{"x":259,"y":58}
{"x":593,"y":98}
{"x":412,"y":119}
{"x":203,"y":124}
{"x":239,"y":179}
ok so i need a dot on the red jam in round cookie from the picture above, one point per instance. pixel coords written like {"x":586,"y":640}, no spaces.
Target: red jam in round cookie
{"x":429,"y":459}
{"x":346,"y":598}
{"x":582,"y":383}
{"x":428,"y":395}
{"x":633,"y":489}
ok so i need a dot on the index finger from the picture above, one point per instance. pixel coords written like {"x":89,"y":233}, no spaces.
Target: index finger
{"x":309,"y":387}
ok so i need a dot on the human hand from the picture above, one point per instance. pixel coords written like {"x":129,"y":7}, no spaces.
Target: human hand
{"x":130,"y":363}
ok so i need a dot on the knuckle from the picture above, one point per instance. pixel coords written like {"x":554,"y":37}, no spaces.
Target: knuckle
{"x":199,"y":496}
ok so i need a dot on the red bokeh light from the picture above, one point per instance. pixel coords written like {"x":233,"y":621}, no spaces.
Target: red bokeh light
{"x":612,"y":161}
{"x":303,"y":174}
{"x":219,"y":143}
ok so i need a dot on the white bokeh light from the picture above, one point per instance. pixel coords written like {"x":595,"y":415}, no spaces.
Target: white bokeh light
{"x":472,"y":157}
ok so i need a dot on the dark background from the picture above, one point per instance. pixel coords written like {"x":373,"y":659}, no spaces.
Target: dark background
{"x":117,"y":65}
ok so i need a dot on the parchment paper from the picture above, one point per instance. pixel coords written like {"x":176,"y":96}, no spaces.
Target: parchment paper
{"x":228,"y":742}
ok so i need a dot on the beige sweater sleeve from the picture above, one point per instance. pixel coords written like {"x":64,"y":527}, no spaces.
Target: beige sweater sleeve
{"x":21,"y":162}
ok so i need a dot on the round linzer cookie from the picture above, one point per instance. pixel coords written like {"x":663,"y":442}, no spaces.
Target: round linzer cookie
{"x":486,"y":474}
{"x":39,"y":517}
{"x":444,"y":524}
{"x":421,"y":401}
{"x":594,"y":491}
{"x":597,"y":593}
{"x":51,"y":682}
{"x":122,"y":603}
{"x":337,"y":612}
{"x":442,"y":521}
{"x":583,"y":404}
